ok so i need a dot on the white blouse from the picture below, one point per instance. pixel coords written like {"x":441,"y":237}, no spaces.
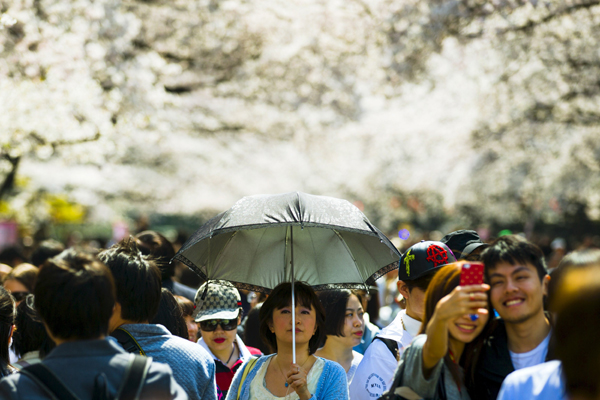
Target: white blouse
{"x":258,"y":386}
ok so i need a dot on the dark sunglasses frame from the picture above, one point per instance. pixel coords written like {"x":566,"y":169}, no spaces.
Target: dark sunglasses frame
{"x":210,"y":325}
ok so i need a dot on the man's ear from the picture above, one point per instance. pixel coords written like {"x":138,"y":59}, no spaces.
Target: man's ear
{"x":403,"y":289}
{"x":117,"y":309}
{"x":545,"y":282}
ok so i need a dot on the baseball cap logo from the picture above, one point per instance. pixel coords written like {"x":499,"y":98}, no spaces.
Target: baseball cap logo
{"x":437,"y":255}
{"x":407,"y":259}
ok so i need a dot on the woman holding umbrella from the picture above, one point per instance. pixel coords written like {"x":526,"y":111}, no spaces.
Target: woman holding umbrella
{"x":275,"y":376}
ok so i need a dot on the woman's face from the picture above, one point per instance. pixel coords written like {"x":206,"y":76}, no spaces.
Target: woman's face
{"x":354,"y":324}
{"x":219,"y":339}
{"x":465,"y":330}
{"x":306,"y":324}
{"x":192,"y":327}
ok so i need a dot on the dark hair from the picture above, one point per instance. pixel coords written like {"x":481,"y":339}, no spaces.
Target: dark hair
{"x":513,"y":249}
{"x":30,"y":334}
{"x":45,"y":250}
{"x":75,"y":296}
{"x":281,"y":297}
{"x":137,"y":280}
{"x":444,"y":282}
{"x":25,"y":274}
{"x":187,"y":306}
{"x":573,"y":260}
{"x":154,"y":244}
{"x":12,"y":255}
{"x":334,"y":303}
{"x":170,"y":315}
{"x":421,"y":282}
{"x":7,"y":319}
{"x":577,"y":329}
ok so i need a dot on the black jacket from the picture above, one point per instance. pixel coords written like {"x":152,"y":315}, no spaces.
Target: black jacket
{"x":494,"y":364}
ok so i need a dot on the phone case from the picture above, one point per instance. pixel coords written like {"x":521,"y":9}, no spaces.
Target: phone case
{"x":471,"y":274}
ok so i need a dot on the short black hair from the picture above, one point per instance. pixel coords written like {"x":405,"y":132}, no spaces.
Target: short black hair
{"x":75,"y":296}
{"x":170,"y":315}
{"x":30,"y":334}
{"x":281,"y":297}
{"x":137,"y":280}
{"x":422,"y":282}
{"x":513,"y":249}
{"x":160,"y":248}
{"x":334,"y":303}
{"x":45,"y":250}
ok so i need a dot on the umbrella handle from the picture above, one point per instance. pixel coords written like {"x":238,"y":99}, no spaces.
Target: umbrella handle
{"x":293,"y":297}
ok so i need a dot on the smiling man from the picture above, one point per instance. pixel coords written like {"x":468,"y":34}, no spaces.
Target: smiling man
{"x":417,"y":267}
{"x":516,"y":272}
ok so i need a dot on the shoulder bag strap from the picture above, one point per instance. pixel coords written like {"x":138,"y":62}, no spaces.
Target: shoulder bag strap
{"x":49,"y":382}
{"x":127,"y":341}
{"x":391,"y":344}
{"x":135,"y":376}
{"x":247,"y":369}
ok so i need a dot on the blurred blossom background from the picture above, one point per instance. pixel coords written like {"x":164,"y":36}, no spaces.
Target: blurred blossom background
{"x":430,"y":115}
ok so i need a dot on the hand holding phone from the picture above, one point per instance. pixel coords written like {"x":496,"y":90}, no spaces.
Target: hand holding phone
{"x":471,"y":274}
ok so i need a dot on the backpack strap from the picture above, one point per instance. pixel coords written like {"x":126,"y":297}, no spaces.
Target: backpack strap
{"x":127,"y":341}
{"x":391,"y":344}
{"x":49,"y":382}
{"x":135,"y":376}
{"x":247,"y":369}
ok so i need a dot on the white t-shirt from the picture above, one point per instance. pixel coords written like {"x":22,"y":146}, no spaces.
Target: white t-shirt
{"x":375,"y":372}
{"x":542,"y":381}
{"x":531,"y":358}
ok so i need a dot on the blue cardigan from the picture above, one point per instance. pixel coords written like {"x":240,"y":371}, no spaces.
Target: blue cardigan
{"x":332,"y":384}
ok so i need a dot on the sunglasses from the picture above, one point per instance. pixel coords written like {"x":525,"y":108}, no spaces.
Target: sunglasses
{"x":19,"y":296}
{"x":211,"y":324}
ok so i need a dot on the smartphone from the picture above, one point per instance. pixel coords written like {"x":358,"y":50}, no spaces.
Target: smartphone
{"x":471,"y":273}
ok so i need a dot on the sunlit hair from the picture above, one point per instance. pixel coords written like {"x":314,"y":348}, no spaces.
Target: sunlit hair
{"x":577,"y":329}
{"x":572,"y":261}
{"x":26,"y":274}
{"x":443,"y":283}
{"x":281,"y":297}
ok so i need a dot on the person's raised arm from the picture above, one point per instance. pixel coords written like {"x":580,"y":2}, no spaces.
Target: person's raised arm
{"x":461,"y":301}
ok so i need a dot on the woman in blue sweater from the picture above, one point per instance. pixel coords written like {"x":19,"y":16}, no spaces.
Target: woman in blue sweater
{"x":275,"y":376}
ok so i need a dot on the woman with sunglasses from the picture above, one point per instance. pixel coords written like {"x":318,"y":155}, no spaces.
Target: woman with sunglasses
{"x":219,"y":314}
{"x":275,"y":376}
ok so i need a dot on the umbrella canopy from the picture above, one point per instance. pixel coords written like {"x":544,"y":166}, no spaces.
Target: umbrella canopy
{"x":265,"y":240}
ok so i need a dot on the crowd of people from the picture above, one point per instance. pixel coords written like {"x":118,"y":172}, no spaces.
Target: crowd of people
{"x":115,"y":324}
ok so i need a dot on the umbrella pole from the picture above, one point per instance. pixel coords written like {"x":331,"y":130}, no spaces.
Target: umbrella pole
{"x":293,"y":298}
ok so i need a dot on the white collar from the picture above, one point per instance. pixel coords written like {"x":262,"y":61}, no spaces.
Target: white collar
{"x":411,"y":325}
{"x":244,"y":352}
